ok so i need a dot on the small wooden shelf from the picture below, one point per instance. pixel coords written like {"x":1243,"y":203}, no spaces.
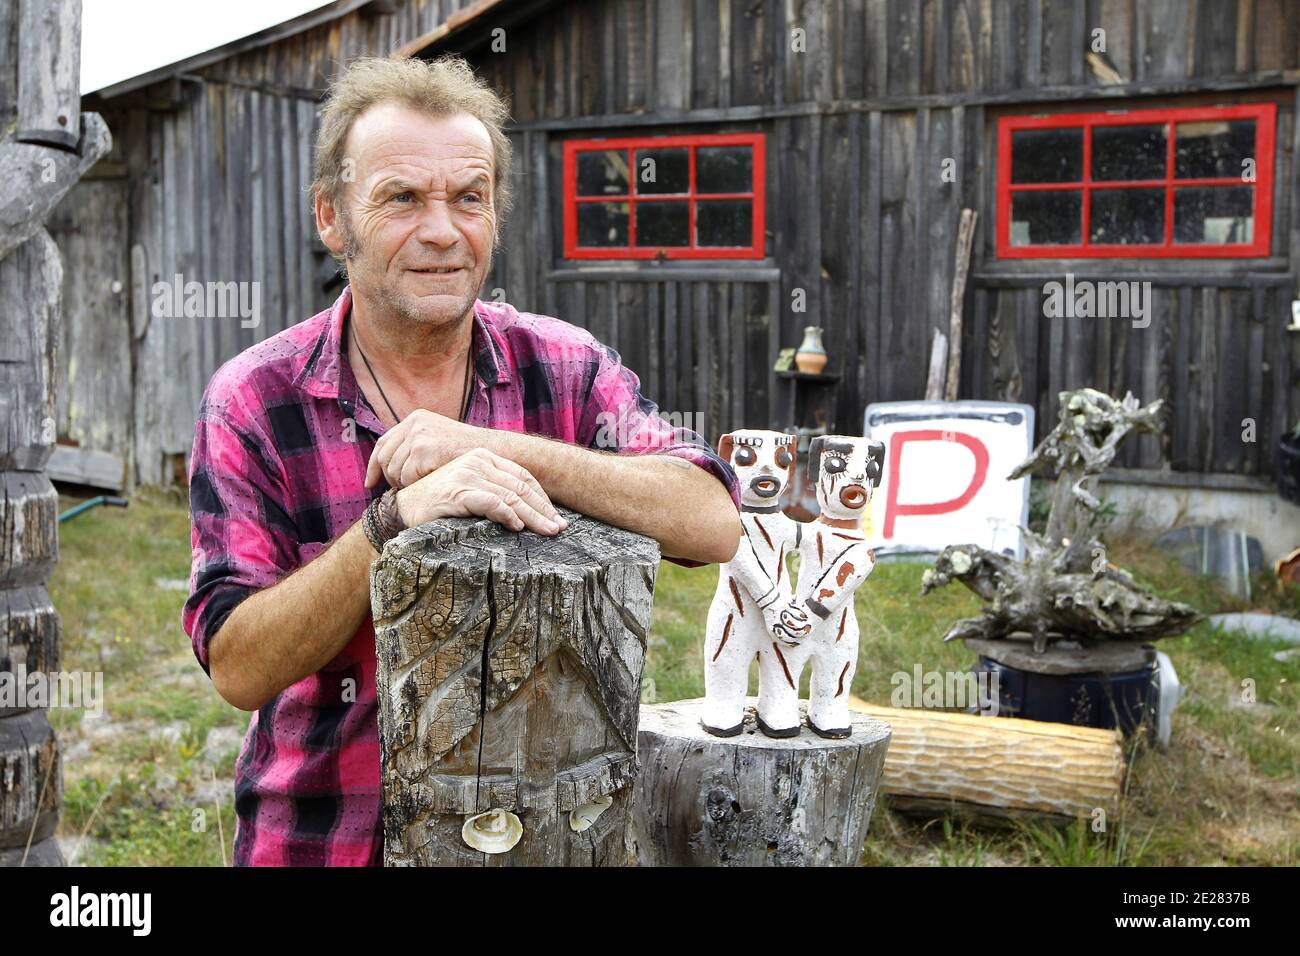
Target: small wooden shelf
{"x":797,"y":376}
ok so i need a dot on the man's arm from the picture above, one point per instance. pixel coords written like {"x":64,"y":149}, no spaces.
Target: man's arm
{"x":684,"y":508}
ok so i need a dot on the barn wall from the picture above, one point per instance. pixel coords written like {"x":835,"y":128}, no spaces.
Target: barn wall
{"x":859,"y":217}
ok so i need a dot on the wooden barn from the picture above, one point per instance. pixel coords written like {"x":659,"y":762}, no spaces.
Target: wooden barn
{"x":813,"y":158}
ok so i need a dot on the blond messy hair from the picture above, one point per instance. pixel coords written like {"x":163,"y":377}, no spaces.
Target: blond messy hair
{"x":441,"y":87}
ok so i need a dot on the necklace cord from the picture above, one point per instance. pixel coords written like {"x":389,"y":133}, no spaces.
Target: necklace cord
{"x":464,"y":405}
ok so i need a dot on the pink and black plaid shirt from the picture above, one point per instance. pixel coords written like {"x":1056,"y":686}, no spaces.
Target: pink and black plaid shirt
{"x":278,"y":471}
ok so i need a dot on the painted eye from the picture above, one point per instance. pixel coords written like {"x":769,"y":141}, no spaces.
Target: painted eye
{"x":834,"y":464}
{"x":783,"y":458}
{"x":745,"y":456}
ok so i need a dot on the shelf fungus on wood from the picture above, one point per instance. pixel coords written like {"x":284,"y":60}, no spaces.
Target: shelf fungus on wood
{"x":496,"y":831}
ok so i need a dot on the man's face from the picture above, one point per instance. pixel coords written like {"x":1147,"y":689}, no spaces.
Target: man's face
{"x":417,"y":224}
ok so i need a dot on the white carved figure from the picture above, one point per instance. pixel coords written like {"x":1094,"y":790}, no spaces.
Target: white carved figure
{"x":834,"y":560}
{"x":753,"y":610}
{"x":759,"y":612}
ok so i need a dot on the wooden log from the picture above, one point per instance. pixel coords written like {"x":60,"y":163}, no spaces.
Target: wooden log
{"x":49,"y":72}
{"x":752,"y":800}
{"x":29,"y":528}
{"x":31,"y":783}
{"x":29,"y":637}
{"x":997,"y":767}
{"x":508,"y":678}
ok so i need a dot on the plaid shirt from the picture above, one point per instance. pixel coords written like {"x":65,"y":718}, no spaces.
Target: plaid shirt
{"x":278,"y":471}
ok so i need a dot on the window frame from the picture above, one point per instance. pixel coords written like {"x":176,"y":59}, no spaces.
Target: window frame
{"x":757,"y":195}
{"x":1263,"y":113}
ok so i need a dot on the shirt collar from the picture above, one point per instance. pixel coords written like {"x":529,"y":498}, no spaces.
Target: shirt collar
{"x":323,"y":374}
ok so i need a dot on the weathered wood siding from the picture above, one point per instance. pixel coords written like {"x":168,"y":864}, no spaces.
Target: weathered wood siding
{"x":858,"y":214}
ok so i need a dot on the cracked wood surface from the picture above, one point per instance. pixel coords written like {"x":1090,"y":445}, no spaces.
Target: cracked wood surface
{"x":508,"y":676}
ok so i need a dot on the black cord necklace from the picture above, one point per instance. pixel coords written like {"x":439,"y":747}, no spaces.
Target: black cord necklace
{"x":464,"y":405}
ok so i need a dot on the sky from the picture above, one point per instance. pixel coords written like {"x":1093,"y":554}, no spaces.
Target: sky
{"x":124,"y":38}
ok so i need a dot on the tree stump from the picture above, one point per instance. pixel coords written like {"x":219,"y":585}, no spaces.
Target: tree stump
{"x":509,"y":679}
{"x":752,"y":800}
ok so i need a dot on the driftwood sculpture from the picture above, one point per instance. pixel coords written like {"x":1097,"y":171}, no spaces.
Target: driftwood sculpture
{"x":1065,"y":587}
{"x":508,"y":673}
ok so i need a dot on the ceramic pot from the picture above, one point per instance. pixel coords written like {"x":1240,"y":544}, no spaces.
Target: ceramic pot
{"x":811,"y":356}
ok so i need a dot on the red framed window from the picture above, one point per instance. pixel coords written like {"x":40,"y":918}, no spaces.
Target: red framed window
{"x":1162,"y":183}
{"x":665,"y":197}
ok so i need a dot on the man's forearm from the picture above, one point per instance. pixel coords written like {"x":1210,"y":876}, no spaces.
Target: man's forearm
{"x":289,"y":631}
{"x":687,"y":510}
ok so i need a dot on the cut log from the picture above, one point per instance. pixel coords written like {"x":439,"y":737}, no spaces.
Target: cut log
{"x":509,"y":679}
{"x":30,"y":780}
{"x":30,"y":298}
{"x":29,"y":528}
{"x":29,"y":637}
{"x":752,"y":800}
{"x":997,"y":767}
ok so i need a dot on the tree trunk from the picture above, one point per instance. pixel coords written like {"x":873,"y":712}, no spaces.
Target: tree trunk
{"x":997,"y":767}
{"x":509,"y":675}
{"x":752,"y":800}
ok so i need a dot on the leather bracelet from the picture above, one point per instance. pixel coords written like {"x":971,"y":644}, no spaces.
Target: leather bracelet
{"x":382,"y":520}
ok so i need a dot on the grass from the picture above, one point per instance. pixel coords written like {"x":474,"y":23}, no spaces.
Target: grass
{"x":151,"y":781}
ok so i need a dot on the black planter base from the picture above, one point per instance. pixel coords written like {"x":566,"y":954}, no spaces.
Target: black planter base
{"x":1124,"y":701}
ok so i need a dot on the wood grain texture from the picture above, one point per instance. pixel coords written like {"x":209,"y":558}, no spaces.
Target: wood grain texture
{"x":509,"y":670}
{"x":29,"y":635}
{"x":49,"y":71}
{"x":997,"y":766}
{"x":31,"y":783}
{"x":752,"y":800}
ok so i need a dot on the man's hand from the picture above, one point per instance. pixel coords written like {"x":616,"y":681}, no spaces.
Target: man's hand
{"x":480,"y":483}
{"x":788,"y":621}
{"x":418,"y":445}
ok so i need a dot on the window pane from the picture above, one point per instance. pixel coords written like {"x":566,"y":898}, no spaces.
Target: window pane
{"x":662,"y":171}
{"x":724,"y":223}
{"x":1127,"y":216}
{"x":602,"y":174}
{"x":1047,"y":156}
{"x":1046,"y":218}
{"x":1223,"y":214}
{"x":662,"y":224}
{"x":1129,"y":152}
{"x":724,"y":169}
{"x":602,"y":224}
{"x":1213,"y":148}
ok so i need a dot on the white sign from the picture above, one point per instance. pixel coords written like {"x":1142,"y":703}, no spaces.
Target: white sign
{"x":944,"y":481}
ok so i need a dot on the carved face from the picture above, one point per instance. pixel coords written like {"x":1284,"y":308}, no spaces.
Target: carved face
{"x":764,"y":463}
{"x":845,"y":471}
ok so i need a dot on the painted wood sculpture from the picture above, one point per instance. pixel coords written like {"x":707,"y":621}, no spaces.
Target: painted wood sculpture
{"x":758,"y":611}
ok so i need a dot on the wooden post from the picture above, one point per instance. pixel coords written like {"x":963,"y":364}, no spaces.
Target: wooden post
{"x":34,"y":175}
{"x":509,"y":678}
{"x":49,"y":72}
{"x":752,"y":800}
{"x":961,"y":267}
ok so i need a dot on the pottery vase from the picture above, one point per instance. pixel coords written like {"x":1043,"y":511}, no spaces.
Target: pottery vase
{"x":811,"y":356}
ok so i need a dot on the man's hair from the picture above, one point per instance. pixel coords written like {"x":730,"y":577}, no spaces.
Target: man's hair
{"x":443,"y":87}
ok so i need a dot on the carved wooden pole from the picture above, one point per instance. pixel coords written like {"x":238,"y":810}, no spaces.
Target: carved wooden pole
{"x":509,"y":675}
{"x":753,"y":800}
{"x":34,"y":175}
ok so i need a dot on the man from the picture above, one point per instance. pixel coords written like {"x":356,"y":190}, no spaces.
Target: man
{"x":408,"y":400}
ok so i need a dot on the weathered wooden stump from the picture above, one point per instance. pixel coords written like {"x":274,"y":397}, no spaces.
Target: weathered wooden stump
{"x":752,"y":800}
{"x":509,"y":676}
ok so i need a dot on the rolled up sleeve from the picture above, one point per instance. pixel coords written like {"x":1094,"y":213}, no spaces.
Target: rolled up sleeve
{"x":241,"y":537}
